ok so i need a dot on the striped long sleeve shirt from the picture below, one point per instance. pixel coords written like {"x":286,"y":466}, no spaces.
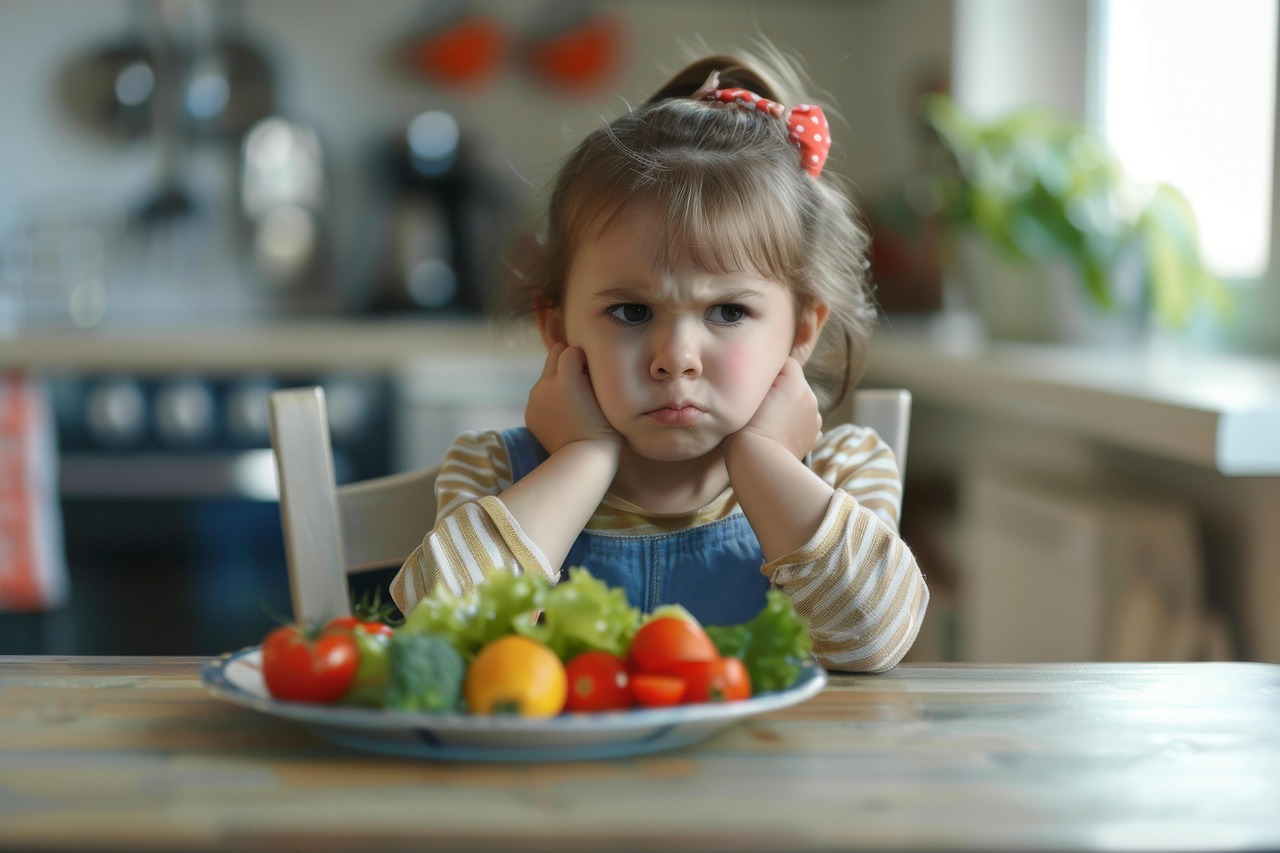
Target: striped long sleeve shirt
{"x":855,"y":580}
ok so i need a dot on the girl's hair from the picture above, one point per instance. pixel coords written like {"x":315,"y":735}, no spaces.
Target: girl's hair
{"x":736,"y":199}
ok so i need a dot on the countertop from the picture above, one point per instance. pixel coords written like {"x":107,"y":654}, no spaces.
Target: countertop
{"x":1215,"y":410}
{"x":297,"y":345}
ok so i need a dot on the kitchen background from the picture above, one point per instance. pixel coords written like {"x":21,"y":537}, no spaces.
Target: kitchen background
{"x":389,"y":122}
{"x":204,"y":200}
{"x":333,"y":177}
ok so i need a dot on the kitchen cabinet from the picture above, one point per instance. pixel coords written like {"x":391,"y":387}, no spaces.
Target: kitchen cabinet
{"x":1166,"y":429}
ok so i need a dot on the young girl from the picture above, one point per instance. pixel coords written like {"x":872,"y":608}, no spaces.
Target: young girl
{"x":696,"y":263}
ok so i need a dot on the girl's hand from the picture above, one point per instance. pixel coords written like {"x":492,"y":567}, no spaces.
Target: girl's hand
{"x":562,"y":405}
{"x":789,"y":412}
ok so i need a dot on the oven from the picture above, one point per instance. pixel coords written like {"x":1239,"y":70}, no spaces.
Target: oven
{"x":169,"y":512}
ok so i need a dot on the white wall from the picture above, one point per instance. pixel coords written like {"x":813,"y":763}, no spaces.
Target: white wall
{"x":1008,"y":53}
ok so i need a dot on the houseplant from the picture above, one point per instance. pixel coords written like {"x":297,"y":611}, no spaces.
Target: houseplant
{"x":1039,"y":190}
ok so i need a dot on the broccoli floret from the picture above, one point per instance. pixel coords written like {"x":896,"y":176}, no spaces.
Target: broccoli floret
{"x":426,"y":673}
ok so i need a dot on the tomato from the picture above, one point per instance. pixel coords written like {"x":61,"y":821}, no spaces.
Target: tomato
{"x":309,"y":666}
{"x":656,"y":691}
{"x":372,"y":638}
{"x":721,"y":680}
{"x":355,"y":623}
{"x":516,"y":675}
{"x":662,"y":643}
{"x":598,"y":681}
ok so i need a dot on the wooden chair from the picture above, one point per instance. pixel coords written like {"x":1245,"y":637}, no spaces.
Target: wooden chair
{"x":331,"y":531}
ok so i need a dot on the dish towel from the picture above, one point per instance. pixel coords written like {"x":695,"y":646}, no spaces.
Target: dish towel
{"x":33,"y":570}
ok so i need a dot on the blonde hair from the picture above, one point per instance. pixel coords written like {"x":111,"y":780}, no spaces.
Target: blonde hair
{"x":736,"y":200}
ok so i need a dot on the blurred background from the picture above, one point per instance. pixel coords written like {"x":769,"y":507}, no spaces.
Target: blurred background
{"x":296,"y":157}
{"x":204,"y":200}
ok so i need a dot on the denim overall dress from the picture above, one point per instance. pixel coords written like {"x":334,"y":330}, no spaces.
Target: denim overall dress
{"x":713,"y":570}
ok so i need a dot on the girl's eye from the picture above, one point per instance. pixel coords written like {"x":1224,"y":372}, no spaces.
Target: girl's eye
{"x":726,"y":314}
{"x":629,"y":314}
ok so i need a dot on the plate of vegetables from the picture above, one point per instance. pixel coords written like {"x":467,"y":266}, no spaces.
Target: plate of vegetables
{"x":522,"y":670}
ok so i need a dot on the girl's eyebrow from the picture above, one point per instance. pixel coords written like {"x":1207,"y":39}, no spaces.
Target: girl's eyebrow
{"x":623,"y":294}
{"x":710,"y":295}
{"x":741,"y":295}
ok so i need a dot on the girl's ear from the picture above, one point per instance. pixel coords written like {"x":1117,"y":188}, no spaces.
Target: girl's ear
{"x":550,"y":324}
{"x":808,"y":328}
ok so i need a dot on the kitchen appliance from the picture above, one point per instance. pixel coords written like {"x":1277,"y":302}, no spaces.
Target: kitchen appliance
{"x":168,"y":502}
{"x":449,"y":225}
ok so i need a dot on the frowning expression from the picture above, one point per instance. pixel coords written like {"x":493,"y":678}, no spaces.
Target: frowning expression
{"x":679,"y":358}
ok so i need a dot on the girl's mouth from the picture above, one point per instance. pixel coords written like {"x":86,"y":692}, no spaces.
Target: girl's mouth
{"x":676,"y":415}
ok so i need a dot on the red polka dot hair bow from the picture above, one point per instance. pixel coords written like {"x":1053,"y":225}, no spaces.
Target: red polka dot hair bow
{"x":806,"y":123}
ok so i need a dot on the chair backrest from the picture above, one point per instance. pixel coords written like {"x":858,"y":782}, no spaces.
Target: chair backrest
{"x":331,"y":530}
{"x":887,"y":411}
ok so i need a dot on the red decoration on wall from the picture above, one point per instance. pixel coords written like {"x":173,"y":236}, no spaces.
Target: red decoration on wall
{"x":579,"y":59}
{"x":468,"y":52}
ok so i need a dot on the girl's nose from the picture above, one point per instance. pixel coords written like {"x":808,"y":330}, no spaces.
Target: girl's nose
{"x":675,"y":353}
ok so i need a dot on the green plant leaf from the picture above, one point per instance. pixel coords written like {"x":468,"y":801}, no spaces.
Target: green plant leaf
{"x":1039,"y":187}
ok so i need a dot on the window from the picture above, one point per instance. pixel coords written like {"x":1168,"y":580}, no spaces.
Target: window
{"x":1186,"y":95}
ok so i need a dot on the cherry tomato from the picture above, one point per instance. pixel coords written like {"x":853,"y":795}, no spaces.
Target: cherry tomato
{"x":721,"y":680}
{"x":656,"y":691}
{"x":309,"y":666}
{"x":598,"y":681}
{"x":355,"y":623}
{"x":662,"y":643}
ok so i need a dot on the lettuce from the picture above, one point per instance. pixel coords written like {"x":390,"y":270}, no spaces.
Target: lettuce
{"x":500,"y":604}
{"x":581,"y":613}
{"x":774,"y":644}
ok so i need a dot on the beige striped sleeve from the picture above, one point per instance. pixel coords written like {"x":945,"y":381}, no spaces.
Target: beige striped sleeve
{"x":855,"y":580}
{"x":857,"y":459}
{"x":473,"y":532}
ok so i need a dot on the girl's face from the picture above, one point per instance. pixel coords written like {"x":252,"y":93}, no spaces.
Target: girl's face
{"x":678,"y":360}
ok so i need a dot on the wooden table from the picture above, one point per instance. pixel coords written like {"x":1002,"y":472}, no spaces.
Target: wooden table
{"x":133,"y":754}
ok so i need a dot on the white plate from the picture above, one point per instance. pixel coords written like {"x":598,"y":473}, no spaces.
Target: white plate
{"x":237,"y":677}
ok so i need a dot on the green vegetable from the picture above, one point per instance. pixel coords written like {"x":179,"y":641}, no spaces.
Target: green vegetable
{"x":503,"y":603}
{"x":373,"y":675}
{"x":370,"y":607}
{"x":774,"y":644}
{"x":500,"y":604}
{"x":583,"y":614}
{"x":442,"y":614}
{"x":426,"y":673}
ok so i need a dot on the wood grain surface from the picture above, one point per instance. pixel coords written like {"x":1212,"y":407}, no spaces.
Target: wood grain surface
{"x":109,"y":753}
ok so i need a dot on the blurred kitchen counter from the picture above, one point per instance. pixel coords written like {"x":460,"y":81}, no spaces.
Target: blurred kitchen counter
{"x":296,"y":345}
{"x":1153,"y":420}
{"x":1214,"y":410}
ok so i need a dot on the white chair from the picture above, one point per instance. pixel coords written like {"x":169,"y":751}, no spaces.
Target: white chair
{"x":331,"y":531}
{"x":886,"y":410}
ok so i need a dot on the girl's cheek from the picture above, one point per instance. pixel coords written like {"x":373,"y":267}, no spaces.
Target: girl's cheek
{"x":743,"y":368}
{"x":609,"y":376}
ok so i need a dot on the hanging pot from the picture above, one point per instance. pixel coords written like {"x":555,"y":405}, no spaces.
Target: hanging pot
{"x":110,"y":88}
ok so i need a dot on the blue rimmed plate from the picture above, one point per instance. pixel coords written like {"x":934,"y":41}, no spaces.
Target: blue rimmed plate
{"x":237,"y":678}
